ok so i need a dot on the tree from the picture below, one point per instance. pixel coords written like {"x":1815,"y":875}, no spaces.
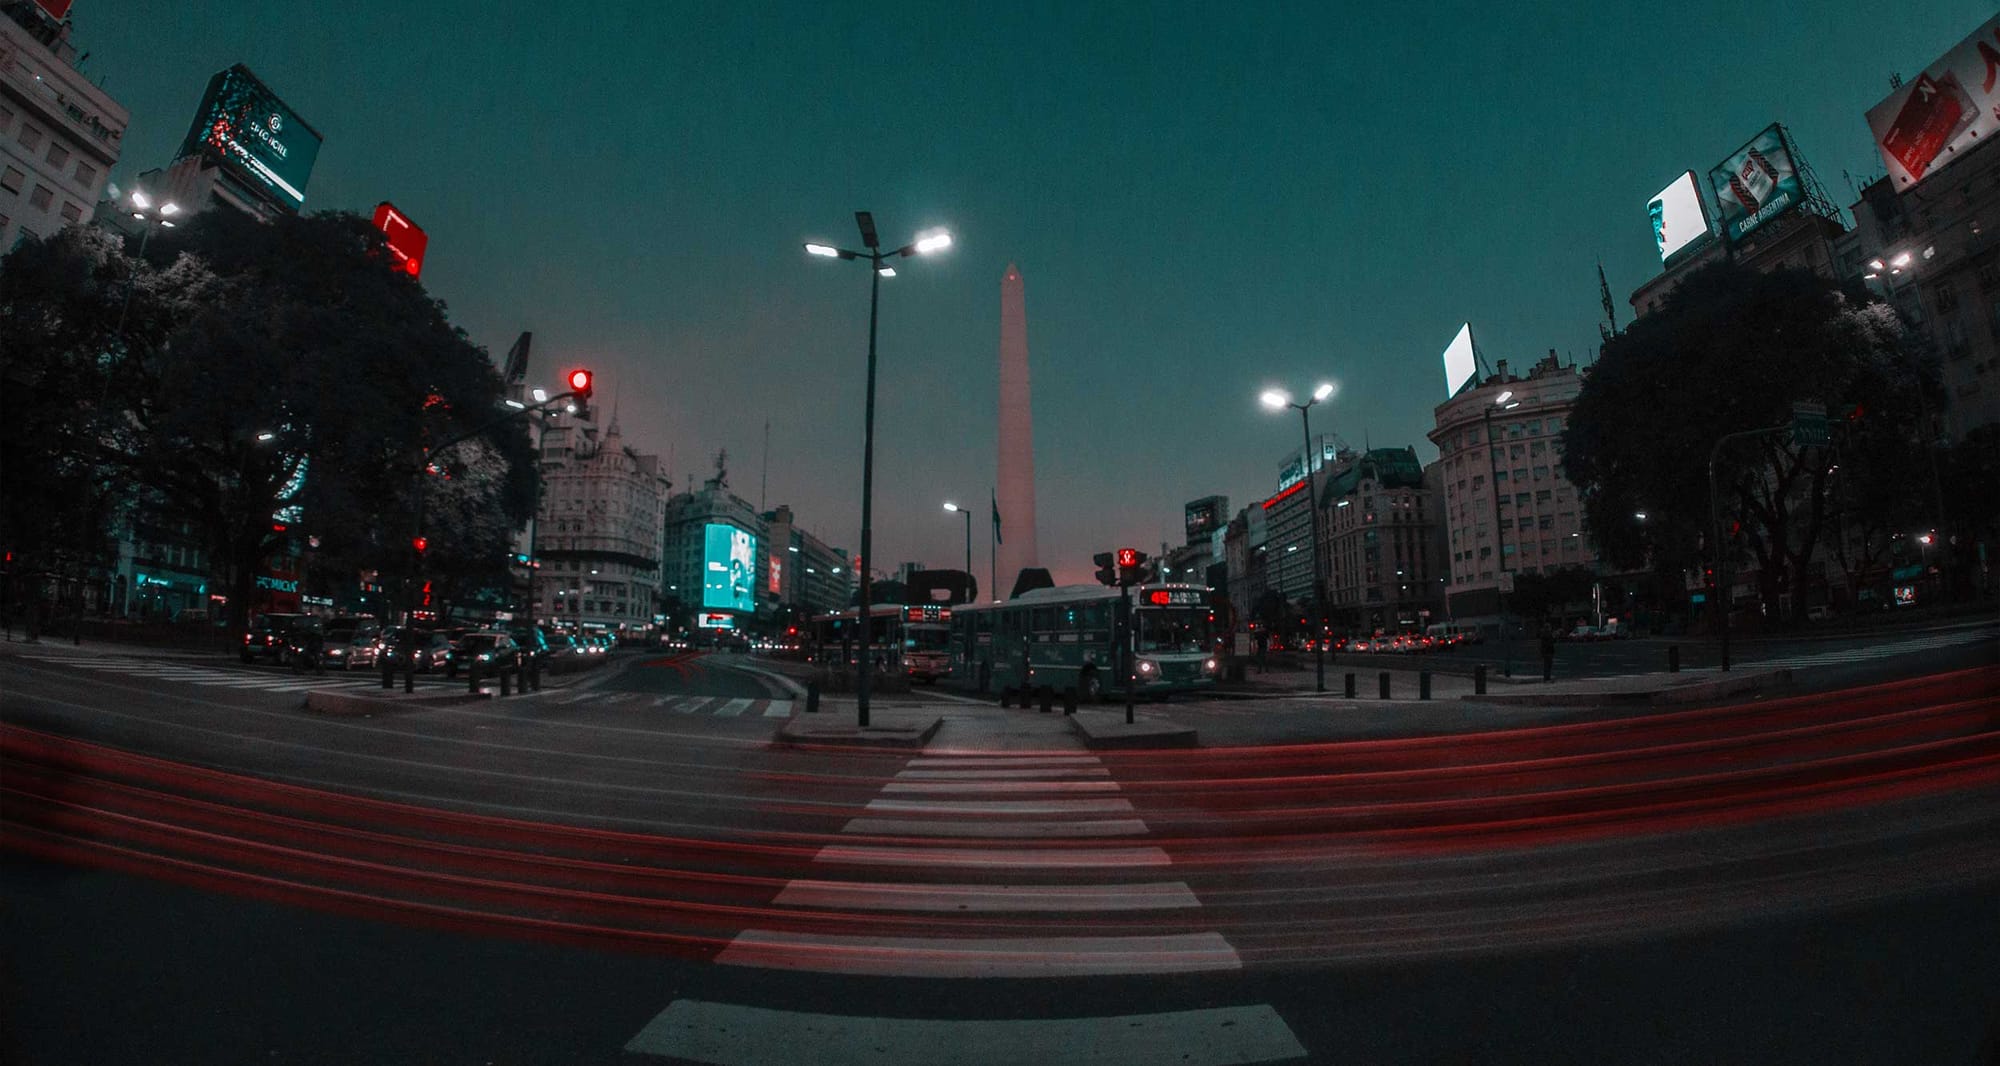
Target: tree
{"x":1732,"y":350}
{"x":1536,"y":596}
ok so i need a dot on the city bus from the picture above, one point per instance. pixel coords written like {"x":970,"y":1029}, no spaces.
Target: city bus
{"x":910,"y":638}
{"x":1091,"y":637}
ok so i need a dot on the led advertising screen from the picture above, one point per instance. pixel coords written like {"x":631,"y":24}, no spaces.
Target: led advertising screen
{"x":1206,"y":515}
{"x":255,"y":136}
{"x":1458,"y":361}
{"x":1680,"y":216}
{"x":407,"y":240}
{"x":1756,"y":184}
{"x":729,"y":567}
{"x":1934,"y":117}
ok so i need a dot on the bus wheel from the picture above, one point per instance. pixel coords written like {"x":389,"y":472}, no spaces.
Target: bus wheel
{"x":1088,"y":688}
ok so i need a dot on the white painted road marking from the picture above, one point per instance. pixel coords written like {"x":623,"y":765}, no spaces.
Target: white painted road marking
{"x":727,"y":1035}
{"x":922,"y":827}
{"x":778,"y":709}
{"x":925,"y":762}
{"x":1056,"y":806}
{"x":1001,"y":775}
{"x":732,"y":708}
{"x":1001,"y":786}
{"x":993,"y":858}
{"x":1016,"y":899}
{"x":957,"y":957}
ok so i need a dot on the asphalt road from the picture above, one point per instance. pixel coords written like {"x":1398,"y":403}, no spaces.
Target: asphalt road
{"x":1796,"y":881}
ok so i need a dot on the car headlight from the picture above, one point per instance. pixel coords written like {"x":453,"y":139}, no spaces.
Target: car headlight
{"x":1148,"y":667}
{"x":1208,"y":666}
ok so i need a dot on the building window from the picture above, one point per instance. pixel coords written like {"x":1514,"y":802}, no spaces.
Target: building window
{"x":1541,"y":473}
{"x":58,"y":155}
{"x":11,"y":179}
{"x":86,"y":174}
{"x":41,"y":198}
{"x":30,"y":137}
{"x":71,"y":212}
{"x":1548,"y":522}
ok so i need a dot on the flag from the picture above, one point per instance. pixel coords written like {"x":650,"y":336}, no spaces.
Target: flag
{"x":996,"y":519}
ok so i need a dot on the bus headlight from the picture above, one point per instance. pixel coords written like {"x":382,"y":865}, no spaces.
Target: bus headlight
{"x":1147,"y":668}
{"x":1208,"y":666}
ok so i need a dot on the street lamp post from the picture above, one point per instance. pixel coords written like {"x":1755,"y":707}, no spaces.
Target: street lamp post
{"x":1277,"y":400}
{"x":154,"y":216}
{"x":1505,"y":402}
{"x":877,"y":260}
{"x":967,"y":515}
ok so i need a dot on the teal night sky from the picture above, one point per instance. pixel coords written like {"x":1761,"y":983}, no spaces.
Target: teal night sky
{"x":1202,"y":203}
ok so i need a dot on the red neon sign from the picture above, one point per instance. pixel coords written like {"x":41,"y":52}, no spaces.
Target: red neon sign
{"x":1273,"y":501}
{"x":1159,"y":597}
{"x":407,"y":240}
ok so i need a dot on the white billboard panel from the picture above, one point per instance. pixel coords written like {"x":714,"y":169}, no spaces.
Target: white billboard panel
{"x":1459,"y":365}
{"x":1680,"y":215}
{"x":1935,"y":117}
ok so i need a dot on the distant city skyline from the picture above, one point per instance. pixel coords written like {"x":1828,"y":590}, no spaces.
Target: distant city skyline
{"x":636,"y":193}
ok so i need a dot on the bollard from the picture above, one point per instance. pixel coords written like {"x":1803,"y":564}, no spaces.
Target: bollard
{"x":1069,"y":700}
{"x":1384,"y":679}
{"x":812,"y":697}
{"x":1006,"y":697}
{"x":1048,"y":696}
{"x":1479,"y":680}
{"x":388,"y":676}
{"x":472,"y":680}
{"x":1350,"y":686}
{"x":1673,"y":658}
{"x":410,"y":680}
{"x":503,"y":683}
{"x":1424,"y":685}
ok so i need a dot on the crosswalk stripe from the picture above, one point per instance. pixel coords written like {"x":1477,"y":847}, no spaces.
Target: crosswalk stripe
{"x":661,"y":701}
{"x":931,"y":762}
{"x":1017,"y":858}
{"x":778,"y":709}
{"x":732,"y":708}
{"x":1057,"y":956}
{"x":1001,"y":786}
{"x":931,"y":827}
{"x":689,"y":704}
{"x":578,"y":698}
{"x":1003,"y":775}
{"x":1016,"y":899}
{"x":728,"y":1035}
{"x":1054,"y":806}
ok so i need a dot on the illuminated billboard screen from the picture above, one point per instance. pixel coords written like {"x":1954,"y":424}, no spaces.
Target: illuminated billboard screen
{"x":1936,"y":116}
{"x":729,"y":566}
{"x":1458,"y":361}
{"x":1680,"y":216}
{"x":1756,"y":184}
{"x":1206,"y":515}
{"x":255,"y":136}
{"x":407,"y":240}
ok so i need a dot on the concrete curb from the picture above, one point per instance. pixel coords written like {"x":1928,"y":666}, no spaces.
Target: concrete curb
{"x":1100,"y":732}
{"x":797,"y":690}
{"x":798,"y":731}
{"x":344,"y":703}
{"x":1654,"y":697}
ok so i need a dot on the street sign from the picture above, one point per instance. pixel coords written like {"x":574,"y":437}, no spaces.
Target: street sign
{"x":1809,"y":425}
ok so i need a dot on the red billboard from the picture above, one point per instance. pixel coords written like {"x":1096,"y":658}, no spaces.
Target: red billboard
{"x":407,"y":240}
{"x":1952,"y":105}
{"x":57,"y":9}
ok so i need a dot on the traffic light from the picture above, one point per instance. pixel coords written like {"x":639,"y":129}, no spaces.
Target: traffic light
{"x":579,"y":390}
{"x":1131,"y":566}
{"x":420,"y":544}
{"x":1106,"y":575}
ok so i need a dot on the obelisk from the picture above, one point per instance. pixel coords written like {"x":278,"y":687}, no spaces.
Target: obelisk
{"x":1017,"y":439}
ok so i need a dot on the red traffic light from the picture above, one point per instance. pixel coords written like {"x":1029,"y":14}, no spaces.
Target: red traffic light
{"x":420,"y":543}
{"x":1128,"y":557}
{"x":579,"y":383}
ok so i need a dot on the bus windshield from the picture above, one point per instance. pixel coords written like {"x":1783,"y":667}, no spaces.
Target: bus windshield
{"x":927,"y":638}
{"x":1173,"y":629}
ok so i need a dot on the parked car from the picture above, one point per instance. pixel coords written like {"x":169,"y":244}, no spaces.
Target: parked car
{"x":488,"y":651}
{"x":349,"y":648}
{"x":419,"y":649}
{"x":1584,"y":631}
{"x":535,"y":648}
{"x":271,"y":636}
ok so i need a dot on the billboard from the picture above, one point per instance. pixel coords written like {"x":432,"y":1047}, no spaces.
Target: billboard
{"x":729,"y":565}
{"x":407,"y":240}
{"x":1680,"y":215}
{"x":1458,"y":362}
{"x":1931,"y":119}
{"x":254,"y":135}
{"x":1206,"y":515}
{"x":1756,"y":184}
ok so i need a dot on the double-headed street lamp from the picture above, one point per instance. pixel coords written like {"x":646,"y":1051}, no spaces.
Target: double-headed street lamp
{"x":878,"y":259}
{"x":154,"y":215}
{"x":967,"y":515}
{"x":1278,"y":400}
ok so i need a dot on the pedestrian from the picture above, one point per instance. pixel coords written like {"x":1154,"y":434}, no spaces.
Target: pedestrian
{"x":1548,"y":648}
